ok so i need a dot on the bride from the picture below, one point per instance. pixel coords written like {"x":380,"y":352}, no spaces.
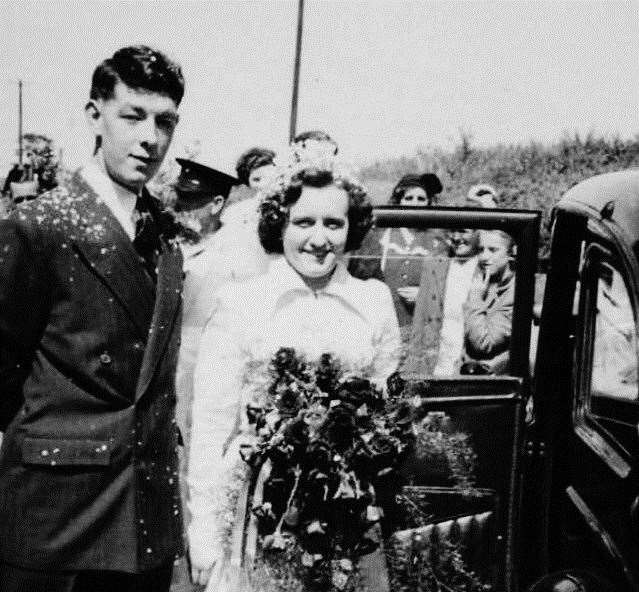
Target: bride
{"x":307,"y":300}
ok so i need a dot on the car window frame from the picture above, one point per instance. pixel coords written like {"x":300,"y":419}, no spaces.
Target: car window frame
{"x":623,"y":411}
{"x":602,"y":434}
{"x":522,"y":225}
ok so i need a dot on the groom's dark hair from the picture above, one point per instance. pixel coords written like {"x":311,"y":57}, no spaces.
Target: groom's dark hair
{"x":275,"y":207}
{"x":139,"y":67}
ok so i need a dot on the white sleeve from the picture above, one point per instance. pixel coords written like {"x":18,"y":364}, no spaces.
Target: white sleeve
{"x":216,"y":411}
{"x":387,"y":336}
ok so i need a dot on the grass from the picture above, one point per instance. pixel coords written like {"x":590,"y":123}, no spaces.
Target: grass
{"x":529,"y":176}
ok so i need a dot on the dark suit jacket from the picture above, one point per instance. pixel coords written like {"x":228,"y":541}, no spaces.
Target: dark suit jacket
{"x":88,"y":347}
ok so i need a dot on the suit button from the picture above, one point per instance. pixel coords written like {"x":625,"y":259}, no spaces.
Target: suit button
{"x":138,"y":345}
{"x":105,"y":358}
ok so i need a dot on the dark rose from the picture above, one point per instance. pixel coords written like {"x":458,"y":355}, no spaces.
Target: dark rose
{"x":384,"y":451}
{"x":255,"y":413}
{"x":327,"y":373}
{"x":296,"y":436}
{"x":318,"y":456}
{"x":289,"y":402}
{"x":315,"y":538}
{"x":339,"y":427}
{"x":168,"y":224}
{"x":369,"y":541}
{"x":286,"y":361}
{"x":356,"y":392}
{"x":403,"y":417}
{"x":317,"y":489}
{"x":361,"y":461}
{"x":266,"y":519}
{"x":318,"y":577}
{"x":395,"y":385}
{"x":276,"y":492}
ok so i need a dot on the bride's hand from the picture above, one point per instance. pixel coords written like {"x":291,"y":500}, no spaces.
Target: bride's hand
{"x":200,"y":577}
{"x":200,"y":570}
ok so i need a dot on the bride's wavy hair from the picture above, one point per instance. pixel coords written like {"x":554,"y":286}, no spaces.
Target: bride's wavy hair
{"x":276,"y":205}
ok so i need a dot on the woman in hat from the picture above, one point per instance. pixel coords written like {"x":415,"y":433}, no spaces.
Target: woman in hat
{"x":416,"y":190}
{"x":397,"y":256}
{"x":308,"y":301}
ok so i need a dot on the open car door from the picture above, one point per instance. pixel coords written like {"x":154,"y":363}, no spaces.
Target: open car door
{"x":462,"y":281}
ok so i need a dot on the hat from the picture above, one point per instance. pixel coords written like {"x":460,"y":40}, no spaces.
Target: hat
{"x":429,"y":182}
{"x":198,"y":184}
{"x":482,"y":195}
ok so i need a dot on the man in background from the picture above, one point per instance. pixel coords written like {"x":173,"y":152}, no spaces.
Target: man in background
{"x":201,"y":194}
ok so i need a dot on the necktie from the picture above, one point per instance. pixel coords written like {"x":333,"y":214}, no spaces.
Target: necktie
{"x":146,"y":241}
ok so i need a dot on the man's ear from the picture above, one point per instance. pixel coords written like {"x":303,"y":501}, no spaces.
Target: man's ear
{"x":93,"y":116}
{"x":94,"y":119}
{"x":216,"y":205}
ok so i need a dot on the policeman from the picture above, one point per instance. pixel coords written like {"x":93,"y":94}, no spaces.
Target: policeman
{"x":201,"y":194}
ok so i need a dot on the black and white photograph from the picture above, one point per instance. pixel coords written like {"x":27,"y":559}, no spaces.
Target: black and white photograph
{"x":319,"y":296}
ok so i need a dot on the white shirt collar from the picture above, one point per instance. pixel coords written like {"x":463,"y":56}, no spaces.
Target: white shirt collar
{"x":121,"y":206}
{"x":288,"y":280}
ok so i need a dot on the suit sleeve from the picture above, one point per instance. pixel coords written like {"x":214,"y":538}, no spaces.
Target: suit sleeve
{"x":24,"y":289}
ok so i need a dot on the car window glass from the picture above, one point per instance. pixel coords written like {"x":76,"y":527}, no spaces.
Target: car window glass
{"x":453,"y":294}
{"x":614,"y":361}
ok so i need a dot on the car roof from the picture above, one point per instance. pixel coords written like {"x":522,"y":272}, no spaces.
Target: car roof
{"x":614,"y":196}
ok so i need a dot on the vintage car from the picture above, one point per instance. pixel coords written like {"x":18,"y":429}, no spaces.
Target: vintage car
{"x":563,"y":469}
{"x":580,"y":504}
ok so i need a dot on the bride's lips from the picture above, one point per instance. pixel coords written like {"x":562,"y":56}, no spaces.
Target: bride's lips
{"x":318,"y":255}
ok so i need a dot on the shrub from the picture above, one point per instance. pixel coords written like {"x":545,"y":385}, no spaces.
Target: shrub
{"x":530,"y":176}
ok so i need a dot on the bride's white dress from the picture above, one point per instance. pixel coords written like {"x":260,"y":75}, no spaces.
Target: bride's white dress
{"x":351,"y":318}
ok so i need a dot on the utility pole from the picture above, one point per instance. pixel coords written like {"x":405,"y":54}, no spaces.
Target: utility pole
{"x":20,"y":122}
{"x":296,"y":71}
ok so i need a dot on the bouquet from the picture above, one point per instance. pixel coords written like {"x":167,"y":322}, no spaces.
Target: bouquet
{"x":335,"y":443}
{"x":334,"y":448}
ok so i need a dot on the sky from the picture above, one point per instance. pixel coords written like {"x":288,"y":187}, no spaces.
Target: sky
{"x":383,"y":77}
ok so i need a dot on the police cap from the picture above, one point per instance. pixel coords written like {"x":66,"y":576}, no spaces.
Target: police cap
{"x":198,"y":184}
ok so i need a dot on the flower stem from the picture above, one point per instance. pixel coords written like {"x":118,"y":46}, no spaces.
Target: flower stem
{"x":298,"y":473}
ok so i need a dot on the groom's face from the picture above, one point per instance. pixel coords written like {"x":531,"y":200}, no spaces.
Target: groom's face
{"x":136,"y":128}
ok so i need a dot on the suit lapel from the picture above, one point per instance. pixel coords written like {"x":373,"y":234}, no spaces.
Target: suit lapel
{"x":102,"y":244}
{"x":105,"y":248}
{"x":167,"y":301}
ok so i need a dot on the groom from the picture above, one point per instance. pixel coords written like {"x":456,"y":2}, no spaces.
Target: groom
{"x":89,"y":327}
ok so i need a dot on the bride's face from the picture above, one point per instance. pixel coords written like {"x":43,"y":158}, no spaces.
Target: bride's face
{"x":315,"y":234}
